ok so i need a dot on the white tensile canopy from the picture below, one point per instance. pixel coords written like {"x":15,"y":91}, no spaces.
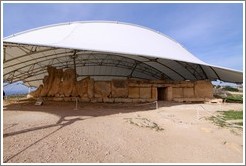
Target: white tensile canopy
{"x":104,"y":50}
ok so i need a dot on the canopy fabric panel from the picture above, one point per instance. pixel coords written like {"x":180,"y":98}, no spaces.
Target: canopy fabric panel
{"x":104,"y":50}
{"x":106,"y":37}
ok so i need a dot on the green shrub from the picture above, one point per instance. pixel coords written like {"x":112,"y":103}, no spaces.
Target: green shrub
{"x":229,"y":88}
{"x":234,"y":99}
{"x":224,"y":116}
{"x":232,"y":115}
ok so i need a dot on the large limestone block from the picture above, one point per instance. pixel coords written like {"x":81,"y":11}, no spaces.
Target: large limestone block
{"x":35,"y":93}
{"x":67,"y":98}
{"x":134,"y":92}
{"x":204,"y":89}
{"x":177,"y":92}
{"x":74,"y":91}
{"x":168,"y":94}
{"x":184,"y":84}
{"x":133,"y":84}
{"x":189,"y":99}
{"x":82,"y":87}
{"x":123,"y":100}
{"x":135,"y":100}
{"x":189,"y":92}
{"x":143,"y":100}
{"x":48,"y":81}
{"x":96,"y":100}
{"x":90,"y":88}
{"x":145,"y":85}
{"x":119,"y":88}
{"x":102,"y":89}
{"x":150,"y":100}
{"x":57,"y":98}
{"x":154,"y":94}
{"x":84,"y":100}
{"x":108,"y":100}
{"x":145,"y":93}
{"x":56,"y":84}
{"x":68,"y":82}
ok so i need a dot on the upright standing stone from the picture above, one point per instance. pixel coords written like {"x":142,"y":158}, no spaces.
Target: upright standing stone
{"x":48,"y":80}
{"x":56,"y":84}
{"x":68,"y":82}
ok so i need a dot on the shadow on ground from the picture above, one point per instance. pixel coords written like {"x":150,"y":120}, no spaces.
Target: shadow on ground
{"x":64,"y":110}
{"x":68,"y":114}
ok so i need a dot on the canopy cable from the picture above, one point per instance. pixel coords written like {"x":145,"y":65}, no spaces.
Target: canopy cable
{"x":74,"y":56}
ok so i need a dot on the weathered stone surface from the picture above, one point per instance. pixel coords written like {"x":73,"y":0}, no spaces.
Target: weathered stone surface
{"x":168,"y":94}
{"x":102,"y":89}
{"x":96,"y":100}
{"x":144,"y":85}
{"x":108,"y":100}
{"x":56,"y":84}
{"x":154,"y":93}
{"x":134,"y":92}
{"x":189,"y":100}
{"x":123,"y":100}
{"x":119,"y":88}
{"x":141,"y":100}
{"x":45,"y":79}
{"x":84,"y":100}
{"x":145,"y":93}
{"x":68,"y":82}
{"x":177,"y":92}
{"x":47,"y":98}
{"x":35,"y":93}
{"x":133,"y":84}
{"x":188,"y":92}
{"x":204,"y":89}
{"x":150,"y":100}
{"x":182,"y":84}
{"x":74,"y":91}
{"x":48,"y":81}
{"x":74,"y":99}
{"x":82,"y":87}
{"x":135,"y":100}
{"x":67,"y":98}
{"x":90,"y":88}
{"x":58,"y":98}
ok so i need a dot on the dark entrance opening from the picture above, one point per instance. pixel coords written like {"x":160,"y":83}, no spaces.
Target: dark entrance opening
{"x":161,"y":93}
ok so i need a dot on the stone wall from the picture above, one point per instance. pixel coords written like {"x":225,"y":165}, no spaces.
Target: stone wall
{"x":62,"y":85}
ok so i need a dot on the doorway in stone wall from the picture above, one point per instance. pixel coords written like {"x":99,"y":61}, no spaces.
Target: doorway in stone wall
{"x":161,"y":93}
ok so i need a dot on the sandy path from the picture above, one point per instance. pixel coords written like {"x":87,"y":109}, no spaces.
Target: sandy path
{"x":55,"y":132}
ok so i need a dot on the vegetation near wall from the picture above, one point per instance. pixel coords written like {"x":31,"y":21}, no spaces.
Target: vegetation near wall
{"x":229,"y":88}
{"x":229,"y":94}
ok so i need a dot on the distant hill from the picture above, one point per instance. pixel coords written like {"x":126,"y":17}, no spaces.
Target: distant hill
{"x":16,"y":88}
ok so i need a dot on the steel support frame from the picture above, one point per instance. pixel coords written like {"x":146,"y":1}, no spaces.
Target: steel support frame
{"x":194,"y":69}
{"x":94,"y":62}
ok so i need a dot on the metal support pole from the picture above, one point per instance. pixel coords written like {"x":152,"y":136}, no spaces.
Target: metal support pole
{"x":74,"y":64}
{"x":4,"y":54}
{"x":76,"y":103}
{"x":136,"y":63}
{"x":156,"y":105}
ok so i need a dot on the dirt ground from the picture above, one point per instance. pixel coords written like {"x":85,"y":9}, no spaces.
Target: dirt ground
{"x":118,"y":133}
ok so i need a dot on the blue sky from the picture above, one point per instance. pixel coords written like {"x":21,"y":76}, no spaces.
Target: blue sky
{"x":16,"y":88}
{"x":212,"y":32}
